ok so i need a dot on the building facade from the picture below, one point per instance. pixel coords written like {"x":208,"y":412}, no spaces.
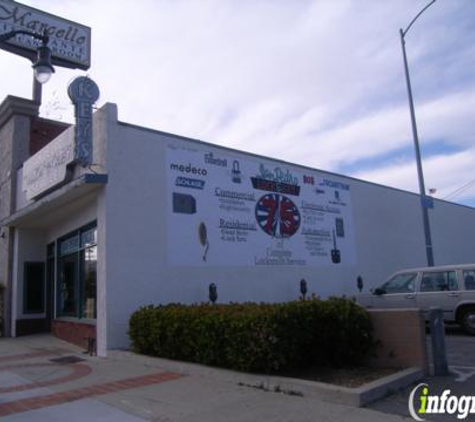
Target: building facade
{"x":157,"y":217}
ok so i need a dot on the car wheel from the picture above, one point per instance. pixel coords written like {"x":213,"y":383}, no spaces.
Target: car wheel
{"x":467,"y":321}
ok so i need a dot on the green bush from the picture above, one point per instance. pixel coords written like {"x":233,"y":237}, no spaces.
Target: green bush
{"x":256,"y":337}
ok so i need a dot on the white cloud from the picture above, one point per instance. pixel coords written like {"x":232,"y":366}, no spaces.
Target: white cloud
{"x":446,"y":173}
{"x":448,"y":118}
{"x":318,"y":82}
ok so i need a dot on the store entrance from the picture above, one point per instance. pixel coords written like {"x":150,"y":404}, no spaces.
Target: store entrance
{"x":33,"y":303}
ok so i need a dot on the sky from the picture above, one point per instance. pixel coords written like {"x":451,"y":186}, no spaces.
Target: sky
{"x":314,"y":82}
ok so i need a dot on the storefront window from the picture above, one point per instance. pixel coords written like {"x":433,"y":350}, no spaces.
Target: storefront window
{"x":89,"y":273}
{"x":88,"y":237}
{"x":50,"y":279}
{"x":77,"y":264}
{"x":68,"y":281}
{"x":69,"y":245}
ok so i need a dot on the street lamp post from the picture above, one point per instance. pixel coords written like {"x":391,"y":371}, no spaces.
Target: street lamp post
{"x":423,"y":197}
{"x":43,"y":69}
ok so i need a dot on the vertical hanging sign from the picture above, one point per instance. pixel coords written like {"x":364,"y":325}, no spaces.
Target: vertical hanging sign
{"x":83,"y":92}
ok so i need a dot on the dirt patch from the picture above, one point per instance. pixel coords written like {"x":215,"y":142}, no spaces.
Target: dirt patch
{"x":345,"y":377}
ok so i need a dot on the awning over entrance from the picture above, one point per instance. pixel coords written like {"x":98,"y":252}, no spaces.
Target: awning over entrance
{"x":47,"y":209}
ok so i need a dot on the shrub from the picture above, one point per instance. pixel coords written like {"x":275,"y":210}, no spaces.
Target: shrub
{"x":256,"y":337}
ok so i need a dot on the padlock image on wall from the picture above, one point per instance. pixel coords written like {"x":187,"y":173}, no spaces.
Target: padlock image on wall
{"x":236,"y":172}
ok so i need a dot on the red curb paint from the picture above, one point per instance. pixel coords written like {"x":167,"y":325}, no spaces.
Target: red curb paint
{"x":33,"y":403}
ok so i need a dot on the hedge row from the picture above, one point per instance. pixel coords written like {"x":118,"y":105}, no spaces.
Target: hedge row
{"x":256,"y":337}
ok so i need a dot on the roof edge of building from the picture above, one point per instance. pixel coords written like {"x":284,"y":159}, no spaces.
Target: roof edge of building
{"x":12,"y":106}
{"x":278,"y":160}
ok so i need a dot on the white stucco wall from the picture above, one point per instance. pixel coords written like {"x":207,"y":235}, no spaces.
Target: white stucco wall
{"x":79,"y":213}
{"x":387,"y":225}
{"x":453,"y":233}
{"x":133,"y":216}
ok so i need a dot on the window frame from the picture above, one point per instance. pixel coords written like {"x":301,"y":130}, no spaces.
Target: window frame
{"x":447,"y":281}
{"x":79,"y":253}
{"x":413,"y":280}
{"x":464,"y":275}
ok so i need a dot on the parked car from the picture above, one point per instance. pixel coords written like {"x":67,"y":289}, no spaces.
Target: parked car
{"x":451,"y":288}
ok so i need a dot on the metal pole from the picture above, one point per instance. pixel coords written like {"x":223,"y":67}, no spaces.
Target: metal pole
{"x":437,"y":333}
{"x":420,"y":174}
{"x":46,"y":60}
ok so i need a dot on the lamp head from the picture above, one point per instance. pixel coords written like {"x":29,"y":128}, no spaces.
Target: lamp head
{"x":43,"y":67}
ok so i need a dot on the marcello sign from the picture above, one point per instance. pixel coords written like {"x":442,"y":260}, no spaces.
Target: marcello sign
{"x":70,"y":42}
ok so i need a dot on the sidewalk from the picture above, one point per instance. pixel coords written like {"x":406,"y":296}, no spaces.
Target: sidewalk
{"x":128,"y":387}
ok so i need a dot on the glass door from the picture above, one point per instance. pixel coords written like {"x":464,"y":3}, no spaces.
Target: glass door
{"x":68,"y":272}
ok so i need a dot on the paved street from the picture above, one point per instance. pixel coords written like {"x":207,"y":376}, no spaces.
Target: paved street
{"x":461,"y":381}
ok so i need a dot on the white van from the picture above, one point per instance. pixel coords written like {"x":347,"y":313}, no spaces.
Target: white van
{"x":451,"y":288}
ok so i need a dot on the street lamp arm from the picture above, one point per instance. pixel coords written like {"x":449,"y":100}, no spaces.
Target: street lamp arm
{"x":9,"y":35}
{"x":42,"y":66}
{"x":403,"y":33}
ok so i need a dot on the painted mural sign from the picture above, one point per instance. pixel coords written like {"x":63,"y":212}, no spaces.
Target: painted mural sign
{"x":225,"y":210}
{"x":70,"y":42}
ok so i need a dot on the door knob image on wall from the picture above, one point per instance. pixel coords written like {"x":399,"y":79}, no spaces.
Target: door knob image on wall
{"x":203,"y":237}
{"x":335,"y":252}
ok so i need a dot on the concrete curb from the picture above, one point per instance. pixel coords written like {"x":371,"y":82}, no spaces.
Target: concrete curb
{"x":388,"y":385}
{"x":358,"y":397}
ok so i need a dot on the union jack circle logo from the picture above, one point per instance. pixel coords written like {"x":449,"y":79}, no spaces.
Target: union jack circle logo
{"x":277,"y":215}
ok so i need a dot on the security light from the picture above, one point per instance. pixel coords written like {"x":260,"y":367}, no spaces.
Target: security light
{"x":42,"y":67}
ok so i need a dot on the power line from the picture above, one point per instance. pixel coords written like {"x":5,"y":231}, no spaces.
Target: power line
{"x":460,"y":190}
